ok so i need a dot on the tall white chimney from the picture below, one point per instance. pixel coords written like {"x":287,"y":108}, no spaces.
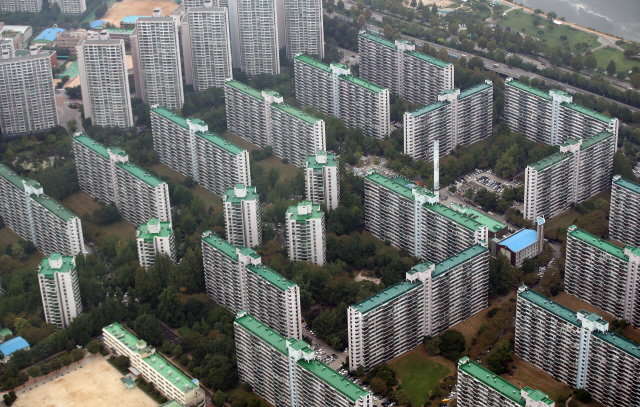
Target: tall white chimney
{"x":436,"y":168}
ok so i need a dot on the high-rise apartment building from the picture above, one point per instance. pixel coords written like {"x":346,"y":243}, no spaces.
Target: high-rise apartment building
{"x":262,"y":118}
{"x":578,"y":349}
{"x":242,"y":216}
{"x":187,"y":146}
{"x":257,"y":36}
{"x":27,"y":99}
{"x":155,"y":52}
{"x":478,"y":386}
{"x":414,"y":76}
{"x":306,"y":233}
{"x":59,"y":290}
{"x":155,"y":238}
{"x":317,"y":83}
{"x":579,"y":171}
{"x":27,"y":6}
{"x":236,"y":279}
{"x":603,"y":274}
{"x":551,"y":117}
{"x":72,"y":6}
{"x":8,"y":45}
{"x":433,"y":298}
{"x":285,"y":372}
{"x":35,"y":217}
{"x":457,"y":118}
{"x":303,"y":26}
{"x":206,"y":45}
{"x":411,"y":218}
{"x":624,"y":222}
{"x":104,"y":80}
{"x":322,"y":179}
{"x":107,"y":175}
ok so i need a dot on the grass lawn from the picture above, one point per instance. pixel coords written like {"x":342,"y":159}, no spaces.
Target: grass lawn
{"x":162,"y":169}
{"x":419,"y":373}
{"x":122,"y":228}
{"x":8,"y":236}
{"x":247,"y":397}
{"x":568,"y":217}
{"x":80,"y":203}
{"x":604,"y":55}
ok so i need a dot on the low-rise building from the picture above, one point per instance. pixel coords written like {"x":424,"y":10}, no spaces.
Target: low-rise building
{"x":19,"y":34}
{"x":59,"y":290}
{"x":155,"y":238}
{"x":69,"y":39}
{"x":242,"y":216}
{"x":322,"y":179}
{"x":49,"y":37}
{"x":306,"y":239}
{"x":9,"y":347}
{"x":519,"y":246}
{"x":624,"y":222}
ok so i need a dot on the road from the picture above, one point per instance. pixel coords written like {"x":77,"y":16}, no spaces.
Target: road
{"x":65,"y":113}
{"x":168,"y":335}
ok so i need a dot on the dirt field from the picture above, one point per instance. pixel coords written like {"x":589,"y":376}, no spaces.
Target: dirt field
{"x":96,"y":385}
{"x":137,"y":8}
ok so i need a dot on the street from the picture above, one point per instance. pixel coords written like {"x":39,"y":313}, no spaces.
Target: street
{"x":66,"y":113}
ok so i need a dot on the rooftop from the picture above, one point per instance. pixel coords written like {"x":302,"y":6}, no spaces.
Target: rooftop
{"x":333,"y":379}
{"x":297,"y":113}
{"x":230,"y":194}
{"x":331,"y":161}
{"x":8,"y":174}
{"x":12,"y":345}
{"x":537,"y":395}
{"x":220,"y":142}
{"x":67,"y":265}
{"x":271,"y":276}
{"x":315,"y":213}
{"x":427,"y":58}
{"x":550,"y":306}
{"x":169,"y":115}
{"x":550,"y":161}
{"x":520,"y":240}
{"x":620,"y":342}
{"x":534,"y":91}
{"x":595,"y":241}
{"x":245,"y":88}
{"x":362,"y":83}
{"x":625,"y":183}
{"x":428,"y":108}
{"x":130,"y":19}
{"x":474,"y":89}
{"x":315,"y":63}
{"x":595,"y":139}
{"x":220,"y":244}
{"x":126,"y":338}
{"x":398,"y":185}
{"x":458,"y":259}
{"x":588,"y":112}
{"x":491,"y":380}
{"x":263,"y":332}
{"x":384,"y":296}
{"x":48,"y":35}
{"x":494,"y":225}
{"x":92,"y":144}
{"x":378,"y":39}
{"x":140,"y":174}
{"x":170,"y":373}
{"x":53,"y":207}
{"x":144,"y":234}
{"x":455,"y":216}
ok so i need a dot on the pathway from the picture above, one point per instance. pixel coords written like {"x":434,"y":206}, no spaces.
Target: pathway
{"x":360,"y":277}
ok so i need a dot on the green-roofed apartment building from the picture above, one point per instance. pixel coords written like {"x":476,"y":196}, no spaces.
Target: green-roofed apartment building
{"x":624,"y":222}
{"x":155,"y":238}
{"x":235,"y":278}
{"x":457,"y":118}
{"x":433,"y":298}
{"x":578,"y":349}
{"x":582,"y":169}
{"x":306,"y":239}
{"x":242,"y":216}
{"x":107,"y":175}
{"x":603,"y":274}
{"x":37,"y":218}
{"x":551,"y":117}
{"x":59,"y":290}
{"x":397,"y":66}
{"x":411,"y":218}
{"x":166,"y":378}
{"x":187,"y":146}
{"x":478,"y":386}
{"x":263,"y":119}
{"x":285,"y":372}
{"x":334,"y":91}
{"x":322,"y":179}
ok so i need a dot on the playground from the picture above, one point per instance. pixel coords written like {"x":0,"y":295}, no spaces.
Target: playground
{"x":121,"y":9}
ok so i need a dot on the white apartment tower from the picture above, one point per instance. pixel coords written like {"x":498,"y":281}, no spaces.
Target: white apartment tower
{"x":107,"y":175}
{"x":285,"y":372}
{"x":257,"y":36}
{"x":206,"y":45}
{"x":72,"y":6}
{"x":551,"y":117}
{"x":432,"y":299}
{"x":457,"y":118}
{"x":187,"y":146}
{"x":304,"y":27}
{"x":306,"y":233}
{"x":322,"y":179}
{"x":317,"y":84}
{"x":27,"y":92}
{"x":579,"y":171}
{"x":242,"y":216}
{"x":624,"y":223}
{"x":236,"y":279}
{"x":35,"y":217}
{"x":27,"y":6}
{"x":155,"y":52}
{"x":104,"y":80}
{"x":153,"y":238}
{"x":59,"y":290}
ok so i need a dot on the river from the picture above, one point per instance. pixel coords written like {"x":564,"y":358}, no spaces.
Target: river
{"x":616,"y":17}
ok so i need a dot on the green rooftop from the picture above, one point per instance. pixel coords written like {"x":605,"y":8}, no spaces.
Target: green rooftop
{"x":220,"y":244}
{"x":5,"y":332}
{"x":294,"y":210}
{"x":263,"y":332}
{"x":169,"y":115}
{"x":54,"y":207}
{"x":534,"y":91}
{"x":620,"y":342}
{"x":588,"y":112}
{"x":144,"y":234}
{"x":68,"y":265}
{"x":455,"y":216}
{"x":333,"y":379}
{"x":474,"y":89}
{"x":538,"y":396}
{"x":386,"y":295}
{"x":591,"y":141}
{"x":625,"y":183}
{"x":379,"y":40}
{"x":427,"y":58}
{"x":220,"y":142}
{"x":362,"y":83}
{"x":550,"y":306}
{"x":140,"y":174}
{"x":119,"y":30}
{"x":428,"y":108}
{"x":230,"y":194}
{"x":550,"y":161}
{"x":494,"y":225}
{"x":491,"y":380}
{"x":458,"y":259}
{"x":297,"y":113}
{"x":312,"y":160}
{"x":246,"y":89}
{"x":595,"y":241}
{"x":170,"y":373}
{"x":12,"y":177}
{"x":394,"y":185}
{"x":315,"y":63}
{"x":271,"y":276}
{"x":92,"y":144}
{"x":125,"y":337}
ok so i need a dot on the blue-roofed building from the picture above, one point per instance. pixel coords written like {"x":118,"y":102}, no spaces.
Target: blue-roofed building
{"x":12,"y":345}
{"x":519,"y":246}
{"x":129,"y":21}
{"x":96,"y":23}
{"x":48,"y":37}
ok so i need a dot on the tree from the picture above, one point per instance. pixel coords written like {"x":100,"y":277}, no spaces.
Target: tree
{"x":362,"y":20}
{"x":529,"y":266}
{"x":576,"y":63}
{"x":77,"y":354}
{"x":170,"y":306}
{"x":17,"y":252}
{"x":403,"y":397}
{"x":482,"y":42}
{"x":148,"y":328}
{"x":500,"y":275}
{"x":590,"y":63}
{"x":353,"y":11}
{"x":340,"y":5}
{"x":475,"y":62}
{"x":622,"y":74}
{"x":611,"y":68}
{"x":583,"y":395}
{"x":499,"y":358}
{"x":452,"y":344}
{"x":552,"y":15}
{"x":94,"y":347}
{"x":368,"y":13}
{"x":434,"y":10}
{"x":378,"y":385}
{"x":469,"y":193}
{"x":219,"y":398}
{"x":453,"y":28}
{"x":56,"y":364}
{"x":635,"y":80}
{"x":73,"y":92}
{"x":432,"y":345}
{"x":34,"y":371}
{"x":622,"y":166}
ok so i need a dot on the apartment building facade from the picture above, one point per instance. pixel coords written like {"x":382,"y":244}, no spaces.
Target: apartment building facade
{"x":577,"y":348}
{"x":284,"y":371}
{"x":107,"y":175}
{"x":603,"y":274}
{"x":397,"y":66}
{"x":155,"y":238}
{"x":433,"y":298}
{"x":257,"y":28}
{"x":317,"y":83}
{"x":206,"y":45}
{"x":26,"y":6}
{"x":322,"y":179}
{"x":59,"y":290}
{"x":551,"y":117}
{"x":104,"y":80}
{"x":27,"y":99}
{"x":306,"y":239}
{"x":69,"y":39}
{"x":624,"y":224}
{"x":457,"y":118}
{"x":242,"y":216}
{"x":263,"y":119}
{"x":581,"y":169}
{"x":72,"y":6}
{"x":303,"y":21}
{"x":236,"y":279}
{"x":37,"y":218}
{"x":187,"y":146}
